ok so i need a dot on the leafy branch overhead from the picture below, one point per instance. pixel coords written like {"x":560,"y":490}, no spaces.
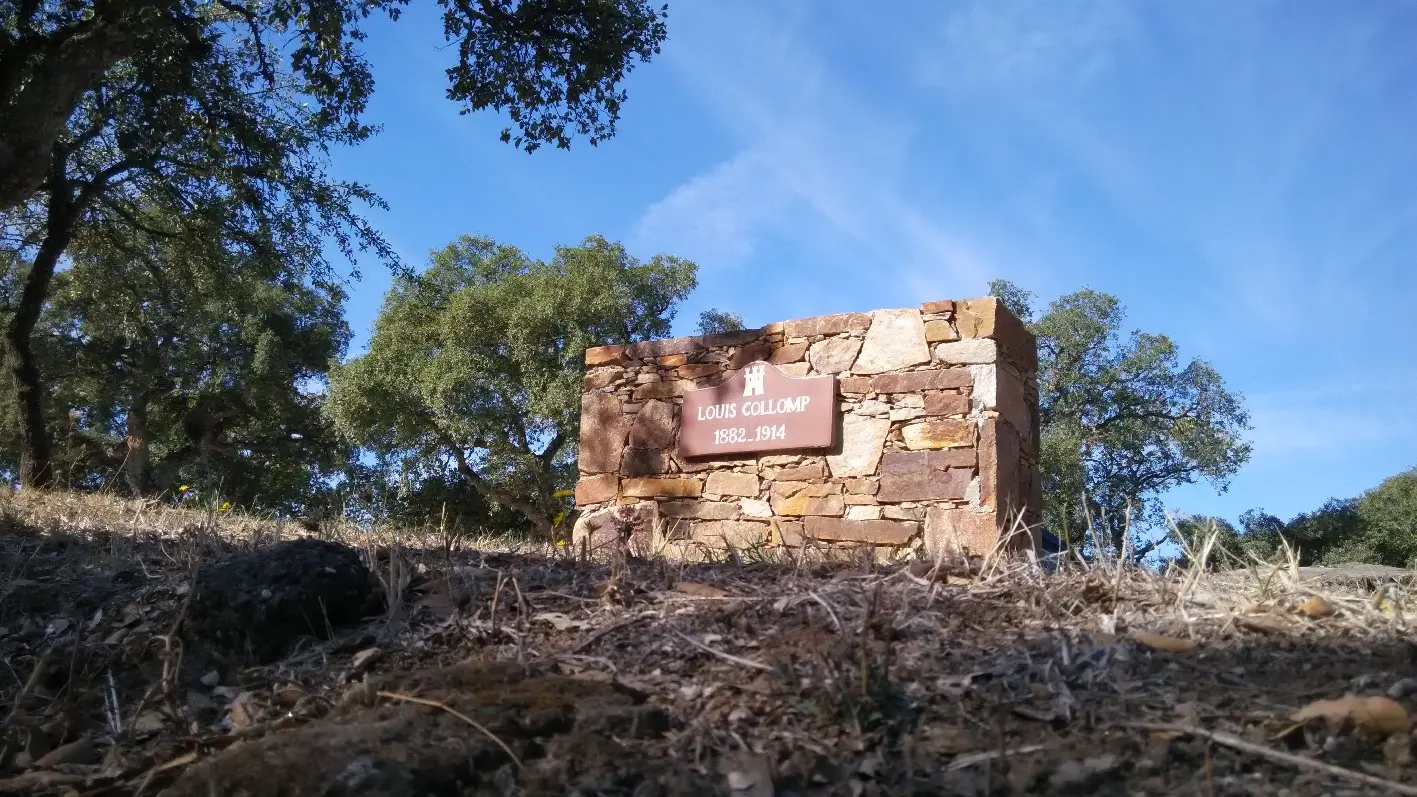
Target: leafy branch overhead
{"x":475,"y":364}
{"x":554,"y":66}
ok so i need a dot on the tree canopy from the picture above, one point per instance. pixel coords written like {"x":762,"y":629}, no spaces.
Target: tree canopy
{"x":475,"y":364}
{"x":1377,"y":527}
{"x":1123,"y":419}
{"x":554,"y":66}
{"x":712,"y":322}
{"x":222,"y":114}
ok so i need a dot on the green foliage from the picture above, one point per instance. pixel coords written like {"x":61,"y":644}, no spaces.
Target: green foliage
{"x":554,"y":66}
{"x":712,"y":322}
{"x":1016,"y":299}
{"x":1123,"y":420}
{"x":446,"y":501}
{"x":1377,"y":527}
{"x":189,"y":142}
{"x":475,"y":365}
{"x":223,"y":115}
{"x":1192,"y":534}
{"x":1387,"y":522}
{"x":180,"y":361}
{"x":1318,"y":537}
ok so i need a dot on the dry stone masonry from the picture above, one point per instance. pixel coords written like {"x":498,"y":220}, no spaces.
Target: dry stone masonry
{"x":934,"y":435}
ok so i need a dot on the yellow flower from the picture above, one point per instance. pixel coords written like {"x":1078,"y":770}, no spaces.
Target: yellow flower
{"x":184,"y":488}
{"x":561,"y":543}
{"x":225,"y":506}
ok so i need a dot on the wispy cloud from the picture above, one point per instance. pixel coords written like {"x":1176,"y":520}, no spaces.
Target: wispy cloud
{"x":717,"y":216}
{"x":1033,"y":46}
{"x":822,"y":164}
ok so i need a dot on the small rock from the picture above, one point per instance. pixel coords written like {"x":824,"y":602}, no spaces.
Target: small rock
{"x":211,"y":679}
{"x":1402,"y":688}
{"x":116,"y":637}
{"x":58,"y":626}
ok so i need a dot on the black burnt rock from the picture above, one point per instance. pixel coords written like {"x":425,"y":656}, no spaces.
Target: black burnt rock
{"x":258,"y":603}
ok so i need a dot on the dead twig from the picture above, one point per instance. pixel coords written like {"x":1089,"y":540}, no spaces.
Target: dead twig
{"x":28,"y":686}
{"x":729,"y":657}
{"x":836,"y":622}
{"x":970,"y":759}
{"x":465,"y":718}
{"x":1236,"y":743}
{"x":598,"y":633}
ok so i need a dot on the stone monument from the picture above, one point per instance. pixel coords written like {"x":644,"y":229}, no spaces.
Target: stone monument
{"x":893,"y":428}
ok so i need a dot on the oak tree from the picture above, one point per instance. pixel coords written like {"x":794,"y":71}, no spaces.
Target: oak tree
{"x":1123,"y":419}
{"x":178,"y":360}
{"x":225,"y":112}
{"x":475,"y":366}
{"x":554,"y":66}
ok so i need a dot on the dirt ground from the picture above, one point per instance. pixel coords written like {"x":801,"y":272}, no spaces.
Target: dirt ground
{"x":515,"y":674}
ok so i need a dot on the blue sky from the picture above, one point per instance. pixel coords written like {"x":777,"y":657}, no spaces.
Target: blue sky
{"x":1243,"y":176}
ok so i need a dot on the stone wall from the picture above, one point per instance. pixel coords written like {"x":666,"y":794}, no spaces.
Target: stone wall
{"x":935,"y":446}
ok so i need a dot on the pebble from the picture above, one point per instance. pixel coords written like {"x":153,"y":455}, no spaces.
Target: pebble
{"x":211,"y":679}
{"x":1402,"y":688}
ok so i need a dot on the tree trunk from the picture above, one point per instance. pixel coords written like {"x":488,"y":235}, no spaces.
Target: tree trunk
{"x":538,"y":518}
{"x":135,"y":465}
{"x":42,"y":78}
{"x":36,"y":449}
{"x":36,"y":446}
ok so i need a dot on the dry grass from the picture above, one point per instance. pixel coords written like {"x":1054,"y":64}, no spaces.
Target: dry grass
{"x":875,"y":675}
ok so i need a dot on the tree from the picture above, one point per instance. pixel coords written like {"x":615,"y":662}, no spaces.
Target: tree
{"x":712,"y":322}
{"x":188,"y":143}
{"x":554,"y":66}
{"x":475,"y":366}
{"x":1387,"y":518}
{"x":1122,"y":420}
{"x":228,"y":110}
{"x":178,"y":365}
{"x":1377,"y":527}
{"x":1318,"y":537}
{"x":1194,"y":532}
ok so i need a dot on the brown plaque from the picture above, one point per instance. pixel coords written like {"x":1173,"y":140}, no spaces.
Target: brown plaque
{"x":759,"y":409}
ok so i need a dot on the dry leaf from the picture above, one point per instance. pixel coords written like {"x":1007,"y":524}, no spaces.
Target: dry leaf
{"x":364,"y":658}
{"x":698,"y":590}
{"x":81,"y":751}
{"x":1316,"y":607}
{"x":1376,"y":713}
{"x":1162,"y":642}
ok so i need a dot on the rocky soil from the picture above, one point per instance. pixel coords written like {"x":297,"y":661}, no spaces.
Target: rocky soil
{"x":145,"y":662}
